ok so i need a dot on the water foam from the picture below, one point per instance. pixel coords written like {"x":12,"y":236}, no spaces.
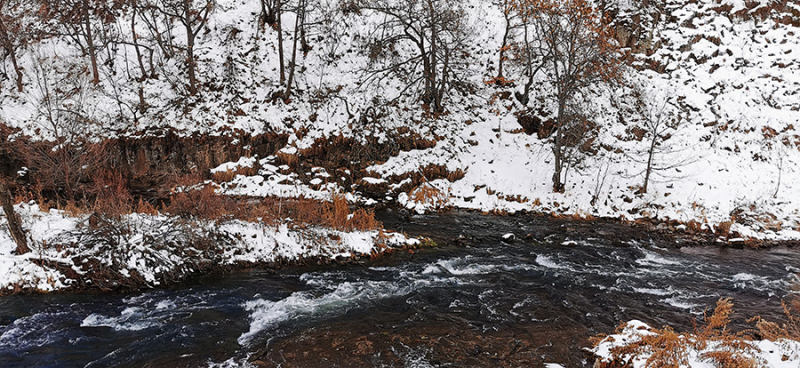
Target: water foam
{"x":266,"y":314}
{"x":545,"y":261}
{"x":129,"y":320}
{"x":653,"y":259}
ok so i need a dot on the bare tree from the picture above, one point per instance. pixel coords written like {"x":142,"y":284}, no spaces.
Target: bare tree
{"x":659,"y":124}
{"x":135,"y":9}
{"x":510,"y":15}
{"x":775,"y":147}
{"x":193,"y":15}
{"x":271,"y":14}
{"x":298,"y":35}
{"x":578,"y":51}
{"x":437,"y":32}
{"x":528,"y":47}
{"x":78,"y":19}
{"x":13,"y":35}
{"x":13,"y":222}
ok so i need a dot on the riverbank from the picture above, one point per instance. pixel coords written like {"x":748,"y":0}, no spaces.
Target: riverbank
{"x":84,"y":251}
{"x":78,"y":252}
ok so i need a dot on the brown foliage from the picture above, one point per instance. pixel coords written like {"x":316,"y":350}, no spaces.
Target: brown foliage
{"x":203,"y":203}
{"x":428,"y":195}
{"x":334,"y":214}
{"x":111,"y":195}
{"x":230,"y":174}
{"x":789,"y":330}
{"x":64,"y":168}
{"x":666,"y":348}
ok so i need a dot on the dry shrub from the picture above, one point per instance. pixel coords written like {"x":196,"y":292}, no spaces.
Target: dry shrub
{"x":724,"y":228}
{"x":73,"y":209}
{"x":111,"y":195}
{"x":23,"y":195}
{"x":428,"y":195}
{"x":223,"y":176}
{"x":337,"y":214}
{"x":63,"y":167}
{"x":364,"y":219}
{"x":203,"y":203}
{"x":694,"y":226}
{"x":145,"y":207}
{"x":454,"y":176}
{"x":334,"y":214}
{"x":670,"y":349}
{"x":789,"y":330}
{"x":287,"y":158}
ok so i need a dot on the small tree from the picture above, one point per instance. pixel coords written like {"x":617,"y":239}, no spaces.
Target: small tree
{"x":658,"y":122}
{"x":435,"y":30}
{"x":576,"y":49}
{"x":13,"y":221}
{"x":13,"y":35}
{"x":271,"y":14}
{"x":775,"y":146}
{"x":193,"y":15}
{"x":78,"y":19}
{"x":298,"y":35}
{"x":510,"y":15}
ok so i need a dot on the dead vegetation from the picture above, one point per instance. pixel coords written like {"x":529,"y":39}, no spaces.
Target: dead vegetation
{"x":715,"y":342}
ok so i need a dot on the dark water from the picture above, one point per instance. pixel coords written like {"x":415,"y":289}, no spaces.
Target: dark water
{"x":481,"y":302}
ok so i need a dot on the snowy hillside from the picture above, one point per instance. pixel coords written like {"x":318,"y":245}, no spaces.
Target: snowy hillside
{"x":723,"y":72}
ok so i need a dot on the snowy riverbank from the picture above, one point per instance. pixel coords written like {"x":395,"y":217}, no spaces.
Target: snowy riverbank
{"x":782,"y":353}
{"x":146,"y":251}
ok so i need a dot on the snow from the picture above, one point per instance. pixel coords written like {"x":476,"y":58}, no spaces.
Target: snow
{"x":782,"y":353}
{"x":156,"y":247}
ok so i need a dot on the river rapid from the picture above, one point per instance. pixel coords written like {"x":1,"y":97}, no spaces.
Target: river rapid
{"x":476,"y":300}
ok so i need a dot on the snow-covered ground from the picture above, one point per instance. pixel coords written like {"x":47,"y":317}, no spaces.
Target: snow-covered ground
{"x":782,"y":353}
{"x":153,"y":249}
{"x":727,"y":68}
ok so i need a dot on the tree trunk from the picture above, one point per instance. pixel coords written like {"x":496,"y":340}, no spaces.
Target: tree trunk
{"x":142,"y":105}
{"x":278,"y":25}
{"x":434,"y":91}
{"x":10,"y":50}
{"x":298,"y":20}
{"x":649,"y":163}
{"x":190,"y":35}
{"x":504,"y":45}
{"x":13,"y":220}
{"x":780,"y":172}
{"x":17,"y":70}
{"x":90,"y":42}
{"x":558,"y":151}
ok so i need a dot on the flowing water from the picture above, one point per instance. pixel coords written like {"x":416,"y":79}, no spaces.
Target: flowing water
{"x":478,"y":301}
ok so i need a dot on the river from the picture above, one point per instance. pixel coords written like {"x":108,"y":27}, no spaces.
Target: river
{"x":475,"y":300}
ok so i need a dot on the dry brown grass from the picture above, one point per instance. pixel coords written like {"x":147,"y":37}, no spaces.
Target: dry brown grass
{"x":724,"y":228}
{"x":203,"y":203}
{"x":335,"y":214}
{"x":111,"y":195}
{"x":428,"y":195}
{"x":287,"y":158}
{"x":789,"y":330}
{"x":667,"y":348}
